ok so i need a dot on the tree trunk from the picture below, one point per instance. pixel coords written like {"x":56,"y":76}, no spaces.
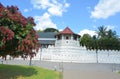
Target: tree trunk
{"x":30,"y":63}
{"x":40,"y":54}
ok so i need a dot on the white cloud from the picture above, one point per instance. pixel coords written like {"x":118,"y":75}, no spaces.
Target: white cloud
{"x":54,"y":7}
{"x":92,"y":33}
{"x":60,"y":30}
{"x":43,"y":22}
{"x":40,"y":4}
{"x":106,"y":8}
{"x":57,"y":9}
{"x":110,"y":27}
{"x":25,"y":10}
{"x":86,"y":31}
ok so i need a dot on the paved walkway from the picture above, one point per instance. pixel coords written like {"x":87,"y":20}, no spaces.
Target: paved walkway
{"x":90,"y":75}
{"x":91,"y":71}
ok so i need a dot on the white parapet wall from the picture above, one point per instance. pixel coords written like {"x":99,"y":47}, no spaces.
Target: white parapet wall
{"x":79,"y":54}
{"x":71,"y":51}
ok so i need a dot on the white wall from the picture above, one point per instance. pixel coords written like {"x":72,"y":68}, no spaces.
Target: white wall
{"x":79,"y":54}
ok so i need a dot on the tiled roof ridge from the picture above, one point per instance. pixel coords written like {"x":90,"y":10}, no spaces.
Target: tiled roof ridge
{"x":67,"y":30}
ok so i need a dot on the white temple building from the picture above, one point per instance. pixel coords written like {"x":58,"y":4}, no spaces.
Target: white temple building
{"x":65,"y":47}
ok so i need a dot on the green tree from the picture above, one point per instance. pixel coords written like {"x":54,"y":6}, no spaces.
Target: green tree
{"x":102,"y":31}
{"x":107,"y":38}
{"x":111,"y":34}
{"x":17,"y":36}
{"x":50,"y":30}
{"x":39,"y":30}
{"x":85,"y":40}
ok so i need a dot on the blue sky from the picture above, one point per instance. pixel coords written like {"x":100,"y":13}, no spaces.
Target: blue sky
{"x":82,"y":16}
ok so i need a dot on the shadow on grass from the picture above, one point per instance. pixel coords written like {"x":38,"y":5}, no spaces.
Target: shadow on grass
{"x":13,"y":72}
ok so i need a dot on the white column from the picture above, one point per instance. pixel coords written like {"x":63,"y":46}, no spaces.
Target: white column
{"x":77,"y":38}
{"x":71,"y":37}
{"x":62,"y":37}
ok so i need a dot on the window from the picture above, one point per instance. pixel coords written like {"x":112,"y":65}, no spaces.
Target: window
{"x":67,"y":37}
{"x":75,"y":37}
{"x":59,"y":37}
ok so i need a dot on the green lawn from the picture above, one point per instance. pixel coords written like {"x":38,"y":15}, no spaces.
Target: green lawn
{"x":27,"y":72}
{"x":119,"y":72}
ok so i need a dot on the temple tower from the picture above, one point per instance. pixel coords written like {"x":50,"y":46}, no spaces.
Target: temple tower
{"x":67,"y":38}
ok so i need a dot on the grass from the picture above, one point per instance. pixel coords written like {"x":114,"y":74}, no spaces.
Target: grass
{"x":119,"y":72}
{"x":27,"y":72}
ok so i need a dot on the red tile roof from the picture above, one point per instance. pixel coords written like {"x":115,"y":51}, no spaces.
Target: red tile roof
{"x":67,"y":30}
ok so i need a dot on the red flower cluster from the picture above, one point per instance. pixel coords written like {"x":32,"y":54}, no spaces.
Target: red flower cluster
{"x":6,"y":33}
{"x":12,"y":12}
{"x":30,"y":43}
{"x":31,"y":20}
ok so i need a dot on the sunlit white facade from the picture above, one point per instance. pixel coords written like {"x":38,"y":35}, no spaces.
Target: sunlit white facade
{"x":68,"y":49}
